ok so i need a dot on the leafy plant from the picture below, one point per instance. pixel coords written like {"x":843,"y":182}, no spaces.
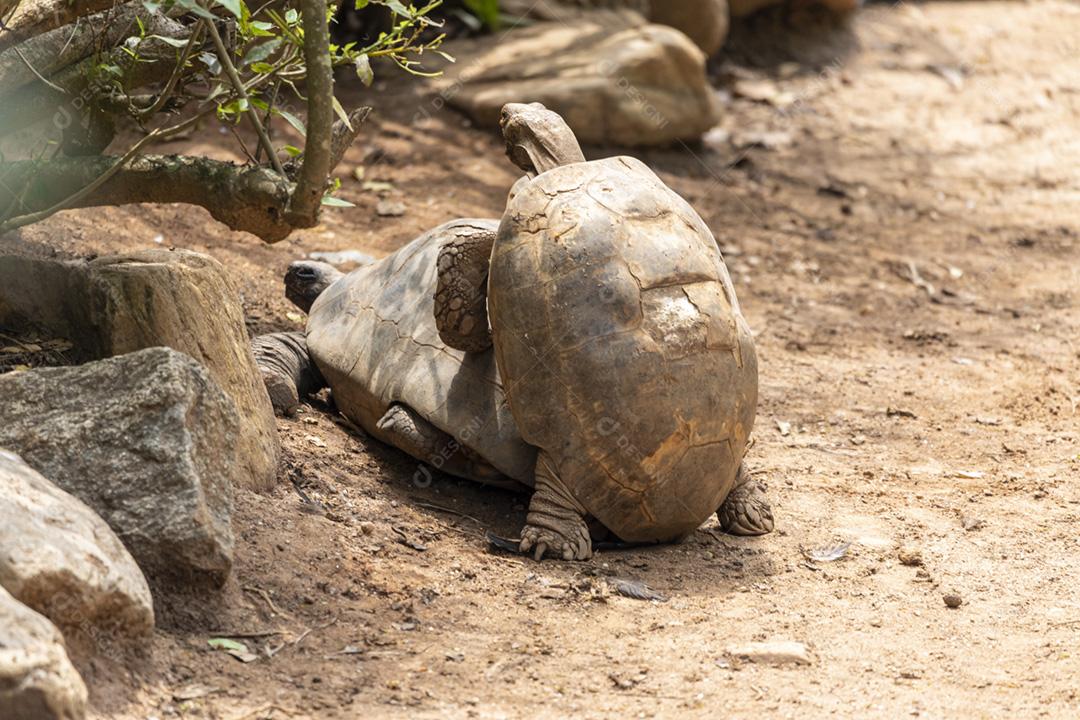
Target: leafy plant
{"x":153,"y":60}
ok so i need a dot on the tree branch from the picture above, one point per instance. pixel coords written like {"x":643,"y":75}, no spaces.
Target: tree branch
{"x":241,"y":93}
{"x":36,"y":101}
{"x":73,"y":200}
{"x":311,"y":184}
{"x":35,"y":17}
{"x":252,"y":199}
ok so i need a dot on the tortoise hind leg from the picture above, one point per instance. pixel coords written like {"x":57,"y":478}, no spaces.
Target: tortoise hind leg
{"x":746,"y":509}
{"x":461,"y":292}
{"x":407,"y":430}
{"x":556,"y":521}
{"x":287,"y":371}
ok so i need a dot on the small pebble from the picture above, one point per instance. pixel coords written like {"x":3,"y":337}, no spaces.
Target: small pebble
{"x":953,"y":601}
{"x":366,"y":527}
{"x":910,"y":556}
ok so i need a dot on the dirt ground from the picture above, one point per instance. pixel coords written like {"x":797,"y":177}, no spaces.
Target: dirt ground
{"x":900,"y":210}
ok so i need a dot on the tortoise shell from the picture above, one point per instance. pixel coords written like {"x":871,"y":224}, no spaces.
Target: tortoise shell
{"x":621,"y":345}
{"x":372,"y":335}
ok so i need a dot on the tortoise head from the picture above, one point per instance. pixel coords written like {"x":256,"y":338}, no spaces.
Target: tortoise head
{"x":537,"y":139}
{"x":306,"y":279}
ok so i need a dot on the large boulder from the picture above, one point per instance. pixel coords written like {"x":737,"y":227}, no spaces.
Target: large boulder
{"x":173,"y":298}
{"x":613,"y":77}
{"x":147,"y":440}
{"x":62,"y":560}
{"x":37,"y":680}
{"x":705,"y":22}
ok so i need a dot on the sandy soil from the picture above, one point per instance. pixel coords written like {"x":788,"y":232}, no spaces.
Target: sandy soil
{"x":933,"y":411}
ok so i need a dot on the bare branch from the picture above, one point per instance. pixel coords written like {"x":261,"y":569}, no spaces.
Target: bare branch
{"x":311,"y":183}
{"x":35,"y":17}
{"x":342,"y":137}
{"x":77,"y":197}
{"x":252,"y":199}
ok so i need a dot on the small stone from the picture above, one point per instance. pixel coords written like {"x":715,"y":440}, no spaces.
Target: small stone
{"x":390,"y":208}
{"x":367,"y":527}
{"x":776,"y":652}
{"x":910,"y":556}
{"x":953,"y":600}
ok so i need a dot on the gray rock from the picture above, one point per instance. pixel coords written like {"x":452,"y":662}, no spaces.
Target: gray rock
{"x":62,"y":560}
{"x":37,"y":680}
{"x":613,"y":77}
{"x":122,"y":303}
{"x":147,"y":440}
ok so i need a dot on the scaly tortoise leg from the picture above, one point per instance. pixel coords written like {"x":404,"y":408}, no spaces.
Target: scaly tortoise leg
{"x":556,"y":521}
{"x":461,"y":292}
{"x":287,"y":370}
{"x":746,"y":511}
{"x":407,"y":430}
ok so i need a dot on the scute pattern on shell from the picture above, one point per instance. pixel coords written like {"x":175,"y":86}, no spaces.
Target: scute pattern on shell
{"x":623,"y":348}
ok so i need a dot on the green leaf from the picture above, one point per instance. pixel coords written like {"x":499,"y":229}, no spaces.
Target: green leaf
{"x":262,"y":51}
{"x":342,"y":115}
{"x":363,"y":70}
{"x":237,"y":649}
{"x":194,"y":7}
{"x":336,"y":202}
{"x":397,"y":8}
{"x":293,"y":151}
{"x":296,"y":122}
{"x":361,"y":4}
{"x":291,"y":16}
{"x":233,"y":6}
{"x":227,"y":644}
{"x":175,"y":42}
{"x":262,"y":68}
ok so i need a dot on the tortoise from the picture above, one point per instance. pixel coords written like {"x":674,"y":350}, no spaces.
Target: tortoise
{"x":621,"y":346}
{"x":371,"y":336}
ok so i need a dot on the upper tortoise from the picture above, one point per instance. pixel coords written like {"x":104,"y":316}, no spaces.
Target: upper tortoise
{"x":621,"y":347}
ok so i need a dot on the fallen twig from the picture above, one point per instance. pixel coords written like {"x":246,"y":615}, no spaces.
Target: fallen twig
{"x":265,"y":596}
{"x":433,"y":506}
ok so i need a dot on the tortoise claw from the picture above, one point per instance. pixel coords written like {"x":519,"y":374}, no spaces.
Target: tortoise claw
{"x":546,"y":542}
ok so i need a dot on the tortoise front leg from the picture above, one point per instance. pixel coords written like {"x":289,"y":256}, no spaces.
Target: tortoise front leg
{"x":287,"y":370}
{"x":461,"y":293}
{"x":746,"y":511}
{"x":556,"y":521}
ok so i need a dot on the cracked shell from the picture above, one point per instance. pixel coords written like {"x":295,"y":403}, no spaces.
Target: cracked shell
{"x":621,"y":344}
